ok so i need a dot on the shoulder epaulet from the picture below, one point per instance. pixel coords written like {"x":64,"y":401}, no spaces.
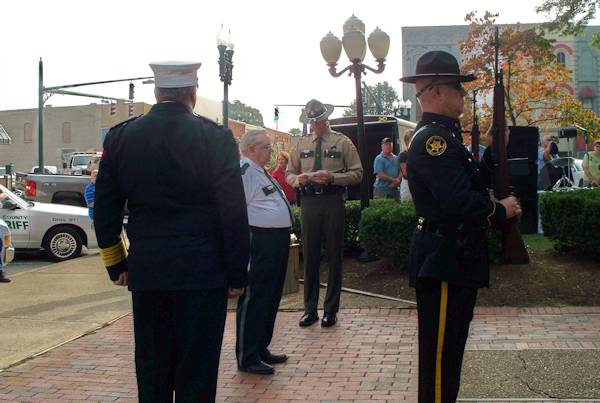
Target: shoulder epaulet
{"x":125,"y":122}
{"x":244,"y":168}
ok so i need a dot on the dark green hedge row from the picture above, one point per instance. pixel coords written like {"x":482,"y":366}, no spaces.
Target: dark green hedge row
{"x":572,"y":219}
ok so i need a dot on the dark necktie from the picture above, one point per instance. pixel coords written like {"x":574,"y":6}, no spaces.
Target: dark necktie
{"x":318,"y":153}
{"x":285,"y":200}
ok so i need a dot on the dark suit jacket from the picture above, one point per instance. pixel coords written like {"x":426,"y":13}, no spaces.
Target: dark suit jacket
{"x":180,"y":175}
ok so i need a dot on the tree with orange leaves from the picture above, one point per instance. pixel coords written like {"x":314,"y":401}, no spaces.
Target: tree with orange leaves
{"x":534,"y":81}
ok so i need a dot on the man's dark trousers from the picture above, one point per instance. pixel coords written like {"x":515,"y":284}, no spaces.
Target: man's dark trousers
{"x":444,"y":348}
{"x":178,"y":336}
{"x":257,"y":307}
{"x":323,"y":218}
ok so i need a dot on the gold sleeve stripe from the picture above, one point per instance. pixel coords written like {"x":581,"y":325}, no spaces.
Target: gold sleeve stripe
{"x":440,"y":341}
{"x":114,"y":255}
{"x":491,"y":214}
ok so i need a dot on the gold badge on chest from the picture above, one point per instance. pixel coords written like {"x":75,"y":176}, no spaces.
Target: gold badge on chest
{"x":435,"y":146}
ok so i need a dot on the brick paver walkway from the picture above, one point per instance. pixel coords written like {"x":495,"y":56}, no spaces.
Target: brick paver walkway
{"x":371,"y":356}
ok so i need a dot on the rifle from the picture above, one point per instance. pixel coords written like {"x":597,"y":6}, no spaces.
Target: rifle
{"x":513,"y":248}
{"x":475,"y":130}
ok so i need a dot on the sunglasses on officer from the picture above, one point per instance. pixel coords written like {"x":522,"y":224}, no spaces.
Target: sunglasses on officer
{"x":434,"y":83}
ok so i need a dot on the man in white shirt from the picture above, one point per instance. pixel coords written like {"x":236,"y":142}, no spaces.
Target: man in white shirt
{"x":270,"y":219}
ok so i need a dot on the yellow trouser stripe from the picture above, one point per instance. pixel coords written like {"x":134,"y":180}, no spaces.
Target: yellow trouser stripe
{"x":440,"y":342}
{"x":114,"y":255}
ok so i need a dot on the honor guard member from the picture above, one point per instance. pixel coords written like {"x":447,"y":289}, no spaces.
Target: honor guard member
{"x":448,"y":259}
{"x":322,"y":165}
{"x":188,"y":234}
{"x":270,"y":218}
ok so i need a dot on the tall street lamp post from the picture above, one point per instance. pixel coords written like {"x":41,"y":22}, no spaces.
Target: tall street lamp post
{"x":402,"y":108}
{"x":355,"y":46}
{"x":225,"y":46}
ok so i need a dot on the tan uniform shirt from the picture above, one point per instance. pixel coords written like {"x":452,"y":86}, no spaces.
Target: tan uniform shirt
{"x":339,"y":157}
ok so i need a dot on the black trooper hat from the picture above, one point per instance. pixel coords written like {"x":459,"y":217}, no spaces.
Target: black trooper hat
{"x":438,"y":64}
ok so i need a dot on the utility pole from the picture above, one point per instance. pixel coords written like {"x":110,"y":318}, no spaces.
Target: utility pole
{"x":48,"y":91}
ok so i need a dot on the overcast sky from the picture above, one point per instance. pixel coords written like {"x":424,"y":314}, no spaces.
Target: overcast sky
{"x":277,"y":57}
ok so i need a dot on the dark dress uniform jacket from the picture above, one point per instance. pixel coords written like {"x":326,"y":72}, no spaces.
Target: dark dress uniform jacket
{"x":449,"y":194}
{"x":180,"y":175}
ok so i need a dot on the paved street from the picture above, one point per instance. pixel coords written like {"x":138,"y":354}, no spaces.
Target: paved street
{"x":369,"y":357}
{"x":30,"y":260}
{"x":59,"y":343}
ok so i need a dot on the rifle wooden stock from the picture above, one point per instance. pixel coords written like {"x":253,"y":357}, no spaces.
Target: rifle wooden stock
{"x":513,"y":247}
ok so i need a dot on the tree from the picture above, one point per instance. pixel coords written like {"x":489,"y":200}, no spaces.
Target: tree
{"x":377,"y":100}
{"x":534,"y":82}
{"x":295,"y":132}
{"x":572,"y":111}
{"x":570,"y":17}
{"x":245,"y":113}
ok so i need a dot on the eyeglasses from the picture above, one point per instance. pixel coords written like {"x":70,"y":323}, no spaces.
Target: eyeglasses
{"x":454,"y":84}
{"x":265,"y":146}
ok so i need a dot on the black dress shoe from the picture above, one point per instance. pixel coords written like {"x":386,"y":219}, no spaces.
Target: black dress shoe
{"x":271,"y":359}
{"x":308,"y":319}
{"x":4,"y":279}
{"x":329,"y":319}
{"x":261,"y":368}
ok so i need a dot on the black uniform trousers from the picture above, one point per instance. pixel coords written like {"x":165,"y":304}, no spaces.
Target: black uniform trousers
{"x":445,"y":312}
{"x":257,"y":307}
{"x":322,"y":219}
{"x":178,"y":336}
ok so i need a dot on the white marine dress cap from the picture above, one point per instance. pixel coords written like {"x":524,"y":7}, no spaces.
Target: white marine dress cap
{"x":175,"y":74}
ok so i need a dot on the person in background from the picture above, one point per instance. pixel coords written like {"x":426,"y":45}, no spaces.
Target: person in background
{"x":386,"y":168}
{"x":591,"y":164}
{"x":3,"y":278}
{"x":547,"y":151}
{"x":270,"y":219}
{"x":89,"y":193}
{"x":321,"y":165}
{"x":283,"y":158}
{"x":405,"y":195}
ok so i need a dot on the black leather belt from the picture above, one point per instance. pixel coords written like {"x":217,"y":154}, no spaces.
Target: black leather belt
{"x":317,"y":190}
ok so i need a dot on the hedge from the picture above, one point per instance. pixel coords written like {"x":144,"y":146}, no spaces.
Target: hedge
{"x":572,"y":219}
{"x":386,"y":228}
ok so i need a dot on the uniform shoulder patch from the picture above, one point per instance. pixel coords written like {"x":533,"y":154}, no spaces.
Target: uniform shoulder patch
{"x":244,"y":168}
{"x":436,"y":145}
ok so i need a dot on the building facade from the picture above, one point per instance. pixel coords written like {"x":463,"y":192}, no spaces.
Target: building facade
{"x":574,"y":52}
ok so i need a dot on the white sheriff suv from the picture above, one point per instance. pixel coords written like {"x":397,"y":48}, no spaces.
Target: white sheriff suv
{"x":59,"y":229}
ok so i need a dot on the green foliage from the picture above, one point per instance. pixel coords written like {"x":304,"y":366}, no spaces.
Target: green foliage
{"x":572,"y":219}
{"x":386,"y":228}
{"x":538,"y":243}
{"x":378,"y":100}
{"x":245,"y":113}
{"x":570,"y":17}
{"x":295,"y":131}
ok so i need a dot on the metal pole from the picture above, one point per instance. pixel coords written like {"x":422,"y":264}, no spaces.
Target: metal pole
{"x":360,"y":136}
{"x":225,"y":105}
{"x":41,"y":117}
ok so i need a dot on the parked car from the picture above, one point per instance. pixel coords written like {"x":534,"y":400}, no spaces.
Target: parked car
{"x":577,"y":175}
{"x":59,"y":189}
{"x":8,"y":251}
{"x":60,"y":230}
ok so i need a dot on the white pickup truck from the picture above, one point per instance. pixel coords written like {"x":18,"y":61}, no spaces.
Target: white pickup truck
{"x":60,"y":230}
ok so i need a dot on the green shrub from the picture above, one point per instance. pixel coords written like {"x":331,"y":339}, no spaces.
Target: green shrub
{"x":386,"y":228}
{"x":572,"y":219}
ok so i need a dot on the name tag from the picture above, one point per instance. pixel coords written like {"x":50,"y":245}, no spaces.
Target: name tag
{"x":307,"y":154}
{"x":333,"y":154}
{"x":267,"y":190}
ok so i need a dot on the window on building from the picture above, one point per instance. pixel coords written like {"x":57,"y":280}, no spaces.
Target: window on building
{"x":66,"y":133}
{"x":28,"y":133}
{"x":561,"y":58}
{"x":588,"y":103}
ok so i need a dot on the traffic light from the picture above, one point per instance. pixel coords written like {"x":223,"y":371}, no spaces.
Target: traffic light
{"x":130,"y":110}
{"x":276,"y":113}
{"x":131,"y":91}
{"x":113,"y":108}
